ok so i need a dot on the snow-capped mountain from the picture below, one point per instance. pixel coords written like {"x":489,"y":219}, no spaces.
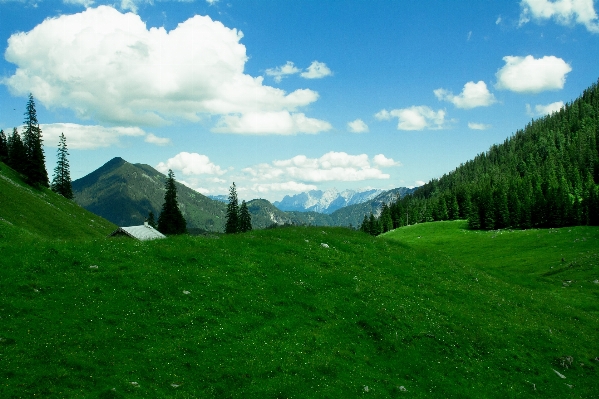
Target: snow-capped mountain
{"x":325,"y":201}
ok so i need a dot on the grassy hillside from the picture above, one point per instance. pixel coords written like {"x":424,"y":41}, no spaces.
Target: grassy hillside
{"x":427,"y":311}
{"x":25,"y":211}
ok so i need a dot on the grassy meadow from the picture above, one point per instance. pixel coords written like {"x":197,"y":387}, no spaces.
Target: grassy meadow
{"x":430,"y":310}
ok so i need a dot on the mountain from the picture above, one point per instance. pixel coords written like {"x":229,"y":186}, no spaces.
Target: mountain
{"x":325,"y":201}
{"x":221,"y":198}
{"x":125,"y":193}
{"x":353,"y":215}
{"x":30,"y":213}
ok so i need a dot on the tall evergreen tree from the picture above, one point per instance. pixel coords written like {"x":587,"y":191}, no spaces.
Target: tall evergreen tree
{"x":3,"y":147}
{"x":365,"y":226}
{"x":151,"y":220}
{"x":61,"y":181}
{"x":245,"y":219}
{"x":16,"y":152}
{"x":232,"y":223}
{"x":171,"y":220}
{"x":35,"y":166}
{"x":385,"y":219}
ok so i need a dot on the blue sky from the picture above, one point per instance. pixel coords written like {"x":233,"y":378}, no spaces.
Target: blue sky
{"x":282,"y":97}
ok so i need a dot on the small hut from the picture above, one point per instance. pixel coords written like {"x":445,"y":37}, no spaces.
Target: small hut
{"x":142,"y":233}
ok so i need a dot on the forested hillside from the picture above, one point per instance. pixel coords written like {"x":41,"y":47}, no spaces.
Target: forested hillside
{"x":544,"y":175}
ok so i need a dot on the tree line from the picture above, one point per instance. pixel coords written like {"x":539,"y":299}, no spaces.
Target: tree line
{"x":545,"y":175}
{"x":25,"y":154}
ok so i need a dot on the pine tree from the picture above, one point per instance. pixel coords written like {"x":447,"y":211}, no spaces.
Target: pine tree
{"x":3,"y":147}
{"x":245,"y":219}
{"x":365,"y":226}
{"x":232,"y":223}
{"x":171,"y":220}
{"x":61,"y":181}
{"x":150,"y":220}
{"x":16,"y":152}
{"x":385,"y":219}
{"x":35,"y":166}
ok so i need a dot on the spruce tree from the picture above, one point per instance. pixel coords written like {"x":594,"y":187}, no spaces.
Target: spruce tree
{"x":245,"y":219}
{"x":232,"y":223}
{"x":16,"y":152}
{"x":365,"y":226}
{"x":3,"y":147}
{"x":385,"y":219}
{"x":61,"y":181}
{"x":171,"y":220}
{"x":35,"y":166}
{"x":150,"y":220}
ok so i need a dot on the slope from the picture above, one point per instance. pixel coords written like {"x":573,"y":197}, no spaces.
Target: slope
{"x":125,"y":193}
{"x":353,"y":215}
{"x":35,"y":213}
{"x":273,"y":313}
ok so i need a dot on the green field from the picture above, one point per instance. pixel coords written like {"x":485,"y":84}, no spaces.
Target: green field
{"x":430,"y":310}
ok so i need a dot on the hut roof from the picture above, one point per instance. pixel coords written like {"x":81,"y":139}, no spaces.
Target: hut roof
{"x":142,"y":233}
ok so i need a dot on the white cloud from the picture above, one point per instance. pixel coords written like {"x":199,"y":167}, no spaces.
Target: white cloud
{"x":531,"y":75}
{"x":419,"y":183}
{"x":289,"y":186}
{"x":89,"y":63}
{"x":87,"y":137}
{"x":414,"y":118}
{"x":280,"y":72}
{"x":211,"y":2}
{"x":264,"y":123}
{"x":564,"y":12}
{"x":473,"y":95}
{"x":542,"y":110}
{"x":152,"y":139}
{"x":316,"y":70}
{"x":498,"y":20}
{"x":190,"y":164}
{"x":383,"y":161}
{"x":478,"y":126}
{"x":357,"y":126}
{"x":332,"y":166}
{"x":84,"y":3}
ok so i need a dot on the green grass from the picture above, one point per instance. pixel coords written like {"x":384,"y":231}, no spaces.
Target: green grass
{"x":273,"y":314}
{"x":431,"y":310}
{"x":30,"y":213}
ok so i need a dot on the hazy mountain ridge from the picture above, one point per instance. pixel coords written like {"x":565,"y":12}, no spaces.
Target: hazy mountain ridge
{"x":327,"y":201}
{"x":125,"y":193}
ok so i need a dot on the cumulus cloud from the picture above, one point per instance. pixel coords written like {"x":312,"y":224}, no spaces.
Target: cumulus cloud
{"x":357,"y":126}
{"x":564,"y":12}
{"x":478,"y":126}
{"x":88,"y":137}
{"x":89,"y":63}
{"x":316,"y":70}
{"x":473,"y":95}
{"x":542,"y":110}
{"x":153,"y":139}
{"x":419,"y":183}
{"x":332,"y":166}
{"x":84,"y":3}
{"x":383,"y":161}
{"x":414,"y":118}
{"x":289,"y":186}
{"x":531,"y":75}
{"x":264,"y":123}
{"x":190,"y":164}
{"x":280,"y":72}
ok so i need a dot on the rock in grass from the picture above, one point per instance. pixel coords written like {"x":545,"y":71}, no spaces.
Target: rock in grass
{"x":322,"y":244}
{"x":560,"y":375}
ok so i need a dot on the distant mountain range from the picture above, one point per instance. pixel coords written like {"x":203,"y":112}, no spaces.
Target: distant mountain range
{"x":125,"y":193}
{"x":325,"y":201}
